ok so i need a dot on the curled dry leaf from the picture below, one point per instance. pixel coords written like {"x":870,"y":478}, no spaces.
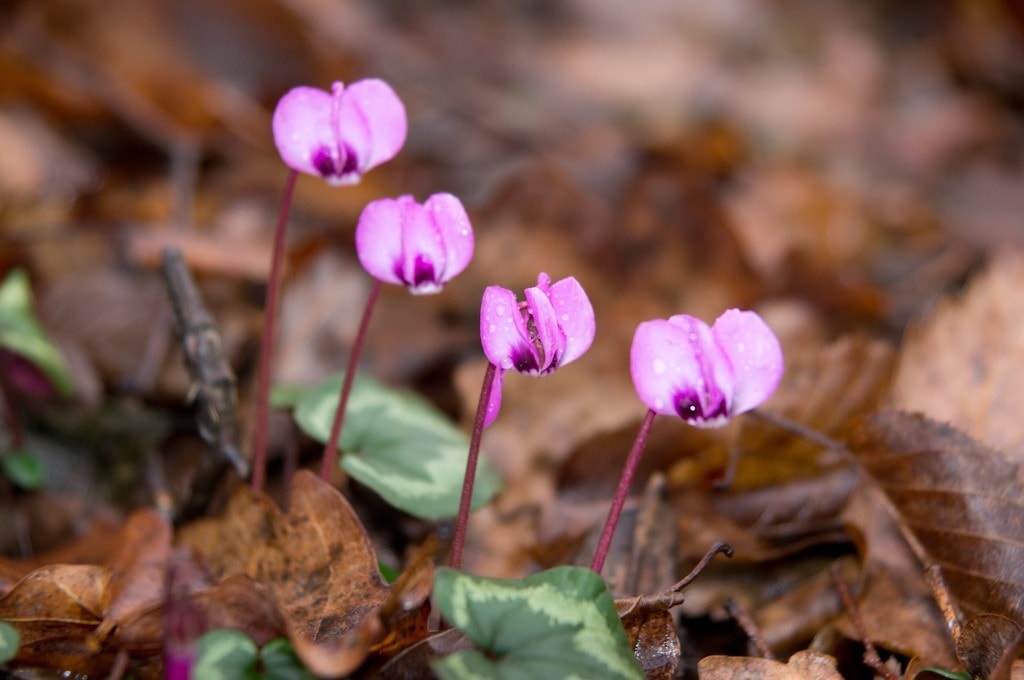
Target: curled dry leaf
{"x":138,"y":570}
{"x":988,"y":644}
{"x":55,"y":609}
{"x":315,"y":561}
{"x":958,"y":503}
{"x":655,"y":642}
{"x":66,"y":612}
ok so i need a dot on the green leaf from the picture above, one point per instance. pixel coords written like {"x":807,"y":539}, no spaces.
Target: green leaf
{"x":23,"y":468}
{"x":944,"y":673}
{"x":399,"y":445}
{"x":560,"y":623}
{"x":21,"y":333}
{"x":9,"y":641}
{"x":280,"y":662}
{"x":225,"y":655}
{"x":287,"y":396}
{"x":389,"y":573}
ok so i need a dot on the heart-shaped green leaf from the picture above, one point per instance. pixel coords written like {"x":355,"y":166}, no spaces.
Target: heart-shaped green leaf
{"x":399,"y":445}
{"x":560,"y":623}
{"x":9,"y":641}
{"x":226,"y":655}
{"x":21,"y":333}
{"x":23,"y":468}
{"x":280,"y":662}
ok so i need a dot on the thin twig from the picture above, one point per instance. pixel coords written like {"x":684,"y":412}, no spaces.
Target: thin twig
{"x":744,"y":620}
{"x":799,"y":429}
{"x":716,"y":548}
{"x":871,"y":658}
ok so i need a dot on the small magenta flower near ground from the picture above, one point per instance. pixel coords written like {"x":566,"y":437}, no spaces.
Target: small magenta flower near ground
{"x":421,"y":247}
{"x":336,"y":135}
{"x":340,"y":134}
{"x":705,"y":375}
{"x":400,"y":241}
{"x":551,"y":328}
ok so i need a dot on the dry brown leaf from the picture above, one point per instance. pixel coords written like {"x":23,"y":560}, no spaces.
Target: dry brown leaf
{"x":958,"y":500}
{"x":897,"y":608}
{"x":138,"y":569}
{"x":963,"y":364}
{"x":655,"y":642}
{"x":55,"y":609}
{"x":988,"y":644}
{"x":801,"y":666}
{"x":316,"y":561}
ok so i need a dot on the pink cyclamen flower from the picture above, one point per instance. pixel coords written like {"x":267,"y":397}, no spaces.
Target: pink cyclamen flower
{"x":421,"y":247}
{"x":705,"y":375}
{"x":553,"y":327}
{"x":340,"y":134}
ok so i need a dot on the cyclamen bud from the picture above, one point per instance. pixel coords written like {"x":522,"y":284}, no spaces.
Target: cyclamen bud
{"x":339,"y":135}
{"x":705,"y":375}
{"x":553,"y":327}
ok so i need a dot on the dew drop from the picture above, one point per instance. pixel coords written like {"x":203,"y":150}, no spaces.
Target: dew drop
{"x":492,"y":328}
{"x":659,"y":404}
{"x":506,"y":363}
{"x":500,"y":310}
{"x":659,"y":366}
{"x":565,"y":317}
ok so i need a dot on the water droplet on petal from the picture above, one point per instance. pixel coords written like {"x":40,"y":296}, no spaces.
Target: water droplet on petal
{"x":500,"y":310}
{"x":492,"y":328}
{"x":506,"y":363}
{"x":565,"y":317}
{"x":659,"y":366}
{"x":659,"y":404}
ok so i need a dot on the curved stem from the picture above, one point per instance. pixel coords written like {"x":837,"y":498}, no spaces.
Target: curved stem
{"x":632,"y":461}
{"x":467,"y":483}
{"x":330,"y":457}
{"x":262,"y":415}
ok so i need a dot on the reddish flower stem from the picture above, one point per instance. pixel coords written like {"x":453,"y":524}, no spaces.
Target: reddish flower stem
{"x":262,"y":416}
{"x":330,"y":456}
{"x":467,"y":483}
{"x":632,"y":461}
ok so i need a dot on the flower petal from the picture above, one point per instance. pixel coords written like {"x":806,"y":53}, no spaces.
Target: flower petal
{"x":678,"y":370}
{"x":502,"y":330}
{"x":548,"y":334}
{"x":708,"y":401}
{"x":302,"y":128}
{"x":659,"y":361}
{"x":494,"y":402}
{"x":755,"y":355}
{"x":371,"y":123}
{"x":575,"y":317}
{"x":456,"y":233}
{"x":379,"y":239}
{"x":423,"y":254}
